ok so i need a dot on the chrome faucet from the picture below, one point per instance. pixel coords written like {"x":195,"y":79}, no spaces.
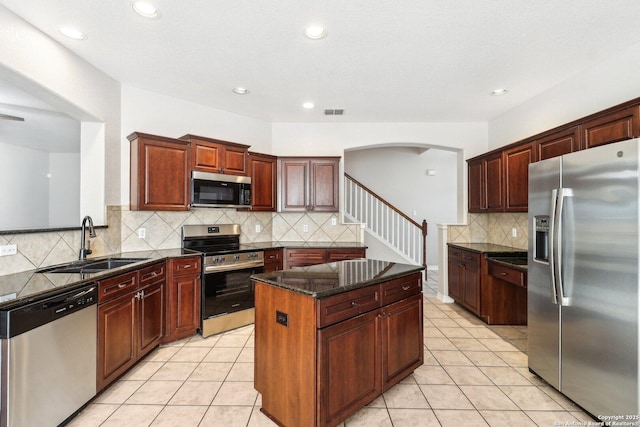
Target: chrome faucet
{"x":92,"y":233}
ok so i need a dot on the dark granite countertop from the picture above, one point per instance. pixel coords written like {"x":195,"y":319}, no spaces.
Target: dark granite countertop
{"x":516,"y":262}
{"x":323,"y":280}
{"x":26,"y":286}
{"x":505,"y":255}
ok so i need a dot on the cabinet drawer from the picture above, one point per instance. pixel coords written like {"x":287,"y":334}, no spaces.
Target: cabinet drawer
{"x":470,"y":258}
{"x":401,"y":288}
{"x":342,"y":254}
{"x":185,"y":266}
{"x":455,"y":253}
{"x":510,"y":275}
{"x":273,"y":255}
{"x":116,"y":286}
{"x":339,"y":307}
{"x":306,"y":255}
{"x":153,"y":273}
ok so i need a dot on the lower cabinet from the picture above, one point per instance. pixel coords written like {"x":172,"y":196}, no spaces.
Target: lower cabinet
{"x":464,"y":278}
{"x":183,"y":298}
{"x":130,"y":320}
{"x":273,"y":260}
{"x":302,"y":257}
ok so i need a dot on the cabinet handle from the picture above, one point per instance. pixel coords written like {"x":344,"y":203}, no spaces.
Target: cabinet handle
{"x":187,"y":266}
{"x":503,"y":273}
{"x":272,"y":256}
{"x":353,"y":303}
{"x":404,"y":288}
{"x":122,"y":285}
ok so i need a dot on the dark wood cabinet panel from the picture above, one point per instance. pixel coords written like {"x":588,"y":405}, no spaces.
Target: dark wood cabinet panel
{"x":159,"y":173}
{"x":494,"y":176}
{"x":218,"y":156}
{"x":464,"y":278}
{"x":151,"y":317}
{"x":273,"y":260}
{"x":612,"y":127}
{"x":334,"y":255}
{"x":183,"y":298}
{"x":263,"y":171}
{"x":476,"y":186}
{"x":471,"y":286}
{"x":302,"y":257}
{"x":293,"y":194}
{"x":308,"y":184}
{"x":324,"y":185}
{"x":516,"y":165}
{"x":558,"y":143}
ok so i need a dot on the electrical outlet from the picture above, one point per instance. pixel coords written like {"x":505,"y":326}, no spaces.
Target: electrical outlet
{"x":142,"y":233}
{"x":8,"y":250}
{"x":514,"y":232}
{"x":334,"y":221}
{"x":258,"y":228}
{"x":305,"y":228}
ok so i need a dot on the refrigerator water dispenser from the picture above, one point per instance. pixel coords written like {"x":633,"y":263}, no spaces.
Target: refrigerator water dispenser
{"x":541,"y":243}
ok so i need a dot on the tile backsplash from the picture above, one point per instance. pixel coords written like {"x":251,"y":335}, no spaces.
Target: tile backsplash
{"x":162,"y":231}
{"x":492,"y":228}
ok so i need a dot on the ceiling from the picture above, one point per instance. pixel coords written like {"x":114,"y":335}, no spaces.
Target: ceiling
{"x":382,"y":61}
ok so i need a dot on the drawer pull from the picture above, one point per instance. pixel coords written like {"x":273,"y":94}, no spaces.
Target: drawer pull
{"x":122,"y":285}
{"x":187,"y":266}
{"x":405,"y":288}
{"x":353,"y":303}
{"x":503,"y":273}
{"x":272,"y":256}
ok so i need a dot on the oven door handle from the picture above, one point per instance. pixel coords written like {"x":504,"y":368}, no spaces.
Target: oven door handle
{"x":239,"y":266}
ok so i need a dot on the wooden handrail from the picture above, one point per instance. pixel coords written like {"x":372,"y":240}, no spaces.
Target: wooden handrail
{"x":422,"y":227}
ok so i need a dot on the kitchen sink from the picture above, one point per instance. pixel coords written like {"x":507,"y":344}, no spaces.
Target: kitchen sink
{"x":91,"y":266}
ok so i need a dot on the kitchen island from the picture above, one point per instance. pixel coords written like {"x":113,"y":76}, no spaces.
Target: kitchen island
{"x":330,"y":338}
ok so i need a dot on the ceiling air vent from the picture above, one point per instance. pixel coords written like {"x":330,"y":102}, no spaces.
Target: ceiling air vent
{"x":334,"y":112}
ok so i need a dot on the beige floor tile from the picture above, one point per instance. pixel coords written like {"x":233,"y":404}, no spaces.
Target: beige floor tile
{"x":211,"y":371}
{"x":562,"y":400}
{"x":250,"y":342}
{"x":439,"y":344}
{"x":183,"y":416}
{"x":413,"y":418}
{"x":509,"y":332}
{"x":504,"y":375}
{"x":133,"y":415}
{"x":162,"y":354}
{"x":258,"y":419}
{"x":497,"y":344}
{"x":227,"y":416}
{"x":456,"y":332}
{"x":246,"y":355}
{"x":154,"y":393}
{"x":190,"y":354}
{"x":223,"y":354}
{"x":93,"y":415}
{"x":484,"y":358}
{"x":236,"y":393}
{"x":432,"y":332}
{"x":430,"y":312}
{"x":241,"y":372}
{"x":522,"y":345}
{"x":530,"y":398}
{"x":467,"y":375}
{"x":488,"y":397}
{"x":470,"y":322}
{"x":553,"y":418}
{"x":232,"y":341}
{"x":196,"y":393}
{"x":471,"y":418}
{"x":442,"y":322}
{"x":405,"y":396}
{"x":200,"y":341}
{"x":174,"y":371}
{"x":369,"y":417}
{"x":378,"y":402}
{"x":455,"y":358}
{"x":507,"y":418}
{"x":513,"y":358}
{"x":143,"y":371}
{"x":482,"y":333}
{"x":530,"y":376}
{"x":118,"y":392}
{"x":429,"y":359}
{"x":445,"y":397}
{"x":431,"y":375}
{"x":468,"y":344}
{"x":243,"y":330}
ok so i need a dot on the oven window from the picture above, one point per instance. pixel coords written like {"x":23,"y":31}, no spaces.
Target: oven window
{"x":228,"y":292}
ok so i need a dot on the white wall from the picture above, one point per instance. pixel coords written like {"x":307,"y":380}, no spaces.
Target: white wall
{"x":150,"y":112}
{"x":64,"y":188}
{"x":611,"y":82}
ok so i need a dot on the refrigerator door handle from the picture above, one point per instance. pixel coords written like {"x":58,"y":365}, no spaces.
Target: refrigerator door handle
{"x":552,"y":252}
{"x":557,"y":244}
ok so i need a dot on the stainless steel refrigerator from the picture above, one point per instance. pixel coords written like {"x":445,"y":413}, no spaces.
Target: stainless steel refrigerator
{"x":583,"y":276}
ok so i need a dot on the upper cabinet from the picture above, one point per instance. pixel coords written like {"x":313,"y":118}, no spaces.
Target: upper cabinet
{"x":217,"y":156}
{"x":159,"y":179}
{"x":263,"y":172}
{"x":485,"y":184}
{"x":516,"y":167}
{"x":558,"y":143}
{"x":308,"y":184}
{"x":613,"y":127}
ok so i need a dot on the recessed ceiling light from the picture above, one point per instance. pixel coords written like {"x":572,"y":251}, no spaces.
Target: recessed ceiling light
{"x":146,"y":10}
{"x":308,"y":105}
{"x":72,"y":33}
{"x":315,"y":32}
{"x":499,"y":92}
{"x":241,"y":90}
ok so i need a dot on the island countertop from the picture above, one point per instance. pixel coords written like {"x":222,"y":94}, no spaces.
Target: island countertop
{"x":323,"y":280}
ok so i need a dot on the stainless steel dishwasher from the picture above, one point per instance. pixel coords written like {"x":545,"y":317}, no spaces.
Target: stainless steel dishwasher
{"x":49,"y":358}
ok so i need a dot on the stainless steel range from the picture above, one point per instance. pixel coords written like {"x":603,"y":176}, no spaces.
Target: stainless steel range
{"x":227,"y":290}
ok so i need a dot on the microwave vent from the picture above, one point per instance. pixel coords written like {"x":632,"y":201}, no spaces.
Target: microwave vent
{"x":334,"y":112}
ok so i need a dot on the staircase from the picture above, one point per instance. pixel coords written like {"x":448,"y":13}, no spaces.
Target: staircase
{"x":385,"y":222}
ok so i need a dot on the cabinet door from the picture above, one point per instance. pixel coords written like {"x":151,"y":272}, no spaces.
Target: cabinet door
{"x":516,"y":166}
{"x":562,"y":142}
{"x":234,"y":160}
{"x":494,"y":182}
{"x":116,"y":338}
{"x":185,"y":305}
{"x":402,"y":339}
{"x":455,"y":278}
{"x":324,"y":185}
{"x":273,"y":260}
{"x":207,"y":157}
{"x":293,"y":194}
{"x":263,"y":170}
{"x":613,"y":127}
{"x":159,"y":174}
{"x":476,"y":186}
{"x":471,"y":286}
{"x":349,"y":371}
{"x":150,"y":317}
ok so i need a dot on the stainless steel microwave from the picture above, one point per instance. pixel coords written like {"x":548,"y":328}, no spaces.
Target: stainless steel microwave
{"x":216,"y":190}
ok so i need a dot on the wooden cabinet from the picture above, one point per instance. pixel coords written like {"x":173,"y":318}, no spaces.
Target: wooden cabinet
{"x":263,"y":171}
{"x":302,"y":257}
{"x":130,"y":320}
{"x":183,"y":298}
{"x":558,"y":143}
{"x":614,"y":126}
{"x":485,"y":184}
{"x":308,"y":184}
{"x":516,"y":166}
{"x":476,"y":186}
{"x":464,"y":278}
{"x":339,"y":352}
{"x":159,"y":170}
{"x":273,"y":260}
{"x":217,"y":156}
